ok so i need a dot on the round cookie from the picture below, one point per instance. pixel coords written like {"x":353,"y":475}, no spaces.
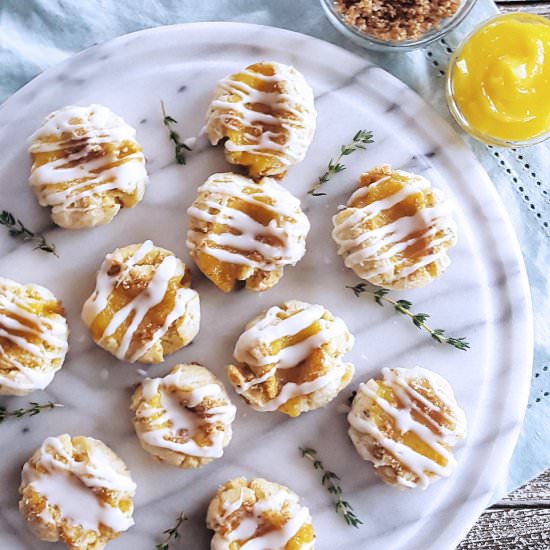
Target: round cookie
{"x":242,"y":230}
{"x":184,"y":418}
{"x":290,"y":359}
{"x":86,"y":165}
{"x":33,"y":337}
{"x":76,"y":490}
{"x":258,"y":514}
{"x":395,"y":230}
{"x":142,"y":307}
{"x":267,"y":115}
{"x":406,"y":424}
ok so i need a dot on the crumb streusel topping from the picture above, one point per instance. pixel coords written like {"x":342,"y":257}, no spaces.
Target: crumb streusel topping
{"x":396,"y":19}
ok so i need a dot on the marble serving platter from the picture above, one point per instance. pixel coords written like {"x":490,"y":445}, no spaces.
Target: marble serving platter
{"x":483,"y":296}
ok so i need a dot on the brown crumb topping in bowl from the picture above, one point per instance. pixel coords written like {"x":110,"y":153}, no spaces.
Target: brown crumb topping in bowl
{"x":396,"y":19}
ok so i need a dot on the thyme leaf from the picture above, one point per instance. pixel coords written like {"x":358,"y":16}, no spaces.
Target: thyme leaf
{"x":17,"y":230}
{"x":418,"y":319}
{"x":172,"y":533}
{"x":33,"y":409}
{"x":329,"y":480}
{"x":360,"y":141}
{"x":179,"y":146}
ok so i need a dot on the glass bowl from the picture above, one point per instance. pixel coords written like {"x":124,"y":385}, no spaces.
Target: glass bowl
{"x":459,"y":117}
{"x":369,"y":41}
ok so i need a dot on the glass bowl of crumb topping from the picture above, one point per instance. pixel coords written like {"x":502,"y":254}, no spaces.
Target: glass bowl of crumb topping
{"x":396,"y":24}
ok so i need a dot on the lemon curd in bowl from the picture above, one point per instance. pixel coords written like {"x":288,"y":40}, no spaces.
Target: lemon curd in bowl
{"x":498,"y":84}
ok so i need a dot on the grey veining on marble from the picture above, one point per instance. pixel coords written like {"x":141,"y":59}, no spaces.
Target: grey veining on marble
{"x":482,"y":296}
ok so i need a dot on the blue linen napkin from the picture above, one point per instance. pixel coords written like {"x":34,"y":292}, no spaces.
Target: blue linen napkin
{"x":35,"y":34}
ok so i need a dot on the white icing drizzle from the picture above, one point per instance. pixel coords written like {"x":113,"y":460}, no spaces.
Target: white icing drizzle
{"x":244,"y":387}
{"x":272,"y":327}
{"x":138,"y":308}
{"x":16,"y":316}
{"x":244,"y":235}
{"x":68,"y":484}
{"x":273,"y":540}
{"x":252,"y":345}
{"x":228,"y":509}
{"x":376,"y":253}
{"x":290,"y":389}
{"x":400,"y":382}
{"x":80,"y":173}
{"x":177,"y":417}
{"x":292,"y":110}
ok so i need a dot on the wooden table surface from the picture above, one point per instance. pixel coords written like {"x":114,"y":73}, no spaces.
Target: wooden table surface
{"x":522,"y":519}
{"x":542,"y":8}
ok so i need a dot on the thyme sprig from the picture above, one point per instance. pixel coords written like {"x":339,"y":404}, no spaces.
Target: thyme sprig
{"x":418,"y":319}
{"x":17,"y":229}
{"x":179,"y":146}
{"x":360,"y":141}
{"x":330,"y":480}
{"x":33,"y":409}
{"x":172,"y":533}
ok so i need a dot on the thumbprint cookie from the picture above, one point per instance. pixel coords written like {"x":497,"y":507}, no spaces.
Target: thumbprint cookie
{"x":267,"y":116}
{"x":406,"y":423}
{"x":78,"y":491}
{"x":289,"y":359}
{"x":86,"y":166}
{"x":242,"y":230}
{"x":395,"y":230}
{"x":258,"y":514}
{"x":33,"y":337}
{"x":142,"y":307}
{"x":184,"y":418}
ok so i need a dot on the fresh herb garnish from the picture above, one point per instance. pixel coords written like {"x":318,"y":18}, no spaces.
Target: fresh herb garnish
{"x":172,"y":533}
{"x":179,"y":146}
{"x":34,"y":409}
{"x":418,"y":319}
{"x":17,"y":230}
{"x":360,"y":141}
{"x":329,"y":480}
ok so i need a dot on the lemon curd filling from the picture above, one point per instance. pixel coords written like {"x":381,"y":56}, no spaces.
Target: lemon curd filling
{"x":500,"y":79}
{"x":304,"y":536}
{"x":222,"y":273}
{"x":388,"y":425}
{"x":238,"y":134}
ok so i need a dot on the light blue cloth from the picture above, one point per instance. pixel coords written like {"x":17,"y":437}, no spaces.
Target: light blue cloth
{"x":35,"y":34}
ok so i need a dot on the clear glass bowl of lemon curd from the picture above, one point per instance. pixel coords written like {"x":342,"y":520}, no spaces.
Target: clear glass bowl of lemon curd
{"x":498,"y":82}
